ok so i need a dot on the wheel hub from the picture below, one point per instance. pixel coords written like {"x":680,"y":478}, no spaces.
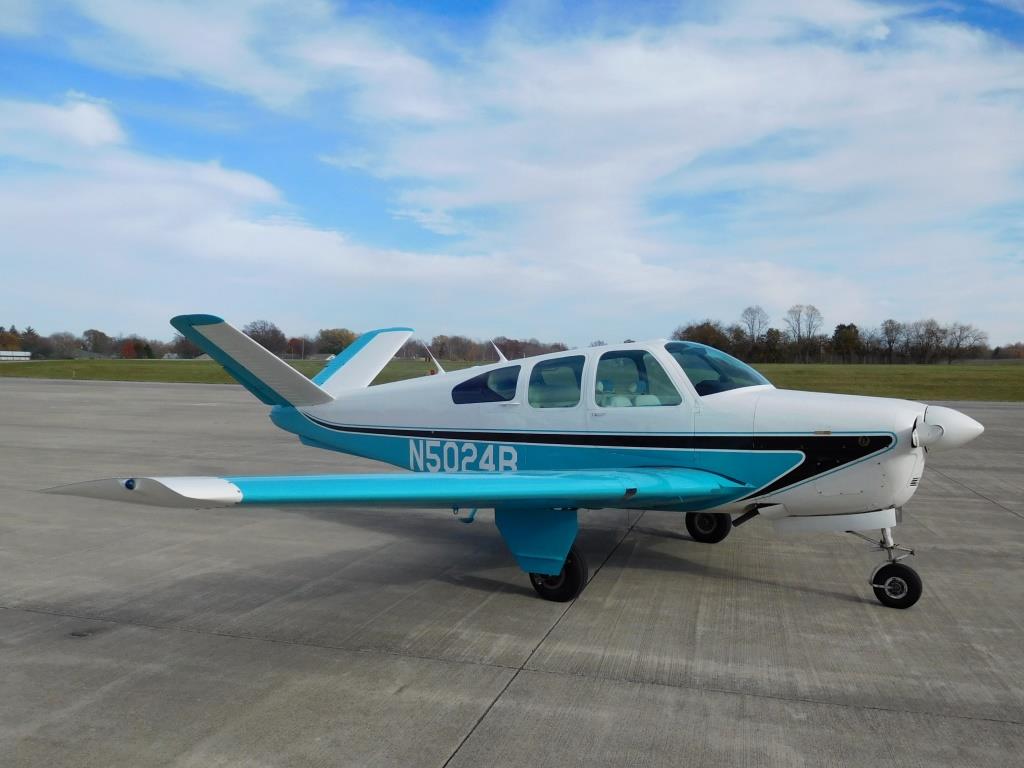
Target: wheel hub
{"x":895,"y":587}
{"x":704,"y":523}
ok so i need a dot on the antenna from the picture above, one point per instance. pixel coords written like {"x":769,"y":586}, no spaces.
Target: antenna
{"x":436,"y":364}
{"x":501,"y":356}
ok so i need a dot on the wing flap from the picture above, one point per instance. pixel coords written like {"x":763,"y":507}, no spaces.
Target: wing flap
{"x":637,"y":488}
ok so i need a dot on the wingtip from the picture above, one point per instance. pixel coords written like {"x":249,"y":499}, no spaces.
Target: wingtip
{"x":190,"y":492}
{"x":95,"y":489}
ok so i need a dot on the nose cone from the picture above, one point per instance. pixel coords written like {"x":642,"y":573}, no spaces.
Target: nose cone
{"x":957,"y":428}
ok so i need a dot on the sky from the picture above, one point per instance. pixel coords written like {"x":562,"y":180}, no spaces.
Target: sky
{"x":568,"y":171}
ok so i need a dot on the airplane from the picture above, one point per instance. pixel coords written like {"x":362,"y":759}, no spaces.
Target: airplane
{"x":653,"y":425}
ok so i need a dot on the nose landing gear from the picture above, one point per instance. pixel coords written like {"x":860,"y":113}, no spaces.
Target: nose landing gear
{"x":895,"y":585}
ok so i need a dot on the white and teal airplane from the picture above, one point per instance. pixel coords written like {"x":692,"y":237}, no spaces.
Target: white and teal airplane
{"x":666,"y":425}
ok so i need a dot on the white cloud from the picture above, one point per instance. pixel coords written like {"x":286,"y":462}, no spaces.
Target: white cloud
{"x":79,"y":124}
{"x":274,"y":51}
{"x":839,"y":153}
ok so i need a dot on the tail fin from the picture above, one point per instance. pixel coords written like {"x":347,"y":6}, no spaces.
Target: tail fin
{"x":260,"y":371}
{"x":360,"y":362}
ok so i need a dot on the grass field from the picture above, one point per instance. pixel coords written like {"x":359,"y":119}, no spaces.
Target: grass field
{"x":188,"y":371}
{"x":916,"y":382}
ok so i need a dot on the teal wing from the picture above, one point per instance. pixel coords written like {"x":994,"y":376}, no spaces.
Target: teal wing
{"x":592,"y":488}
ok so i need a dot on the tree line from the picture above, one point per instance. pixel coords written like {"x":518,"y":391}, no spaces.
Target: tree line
{"x":92,"y":343}
{"x":799,"y":338}
{"x":328,"y":341}
{"x":331,"y":341}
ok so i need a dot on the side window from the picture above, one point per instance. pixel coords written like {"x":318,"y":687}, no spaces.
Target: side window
{"x":556,"y":383}
{"x":491,"y":387}
{"x":632,"y":377}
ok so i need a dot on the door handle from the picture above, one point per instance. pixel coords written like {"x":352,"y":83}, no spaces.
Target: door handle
{"x":507,"y":403}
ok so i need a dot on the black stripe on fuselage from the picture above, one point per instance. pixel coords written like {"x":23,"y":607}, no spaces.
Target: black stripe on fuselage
{"x":822,"y":453}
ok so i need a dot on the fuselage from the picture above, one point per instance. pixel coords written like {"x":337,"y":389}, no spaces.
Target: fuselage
{"x":645,"y":404}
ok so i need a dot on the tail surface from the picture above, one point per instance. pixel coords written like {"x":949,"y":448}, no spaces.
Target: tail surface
{"x":257,"y":369}
{"x":360,"y":362}
{"x":275,"y":382}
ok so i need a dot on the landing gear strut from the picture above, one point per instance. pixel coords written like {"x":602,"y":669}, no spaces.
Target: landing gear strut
{"x":708,"y":527}
{"x":567,"y":584}
{"x":895,"y":585}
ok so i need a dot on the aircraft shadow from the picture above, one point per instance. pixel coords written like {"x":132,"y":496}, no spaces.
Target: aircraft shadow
{"x":648,"y":557}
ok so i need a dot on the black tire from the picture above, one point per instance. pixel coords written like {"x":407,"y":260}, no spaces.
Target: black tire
{"x":896,"y":585}
{"x":708,"y":527}
{"x":567,"y":584}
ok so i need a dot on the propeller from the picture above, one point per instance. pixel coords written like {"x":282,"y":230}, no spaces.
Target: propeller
{"x":942,"y":428}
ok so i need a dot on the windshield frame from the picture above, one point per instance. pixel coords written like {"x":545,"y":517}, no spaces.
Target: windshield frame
{"x":719,"y":362}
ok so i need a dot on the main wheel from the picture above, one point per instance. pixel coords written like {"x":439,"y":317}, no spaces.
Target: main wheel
{"x":567,"y":584}
{"x":708,"y":527}
{"x":896,"y":585}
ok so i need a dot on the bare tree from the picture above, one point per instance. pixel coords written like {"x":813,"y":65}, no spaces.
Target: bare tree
{"x":755,"y":321}
{"x":924,"y":339}
{"x":794,"y":320}
{"x":871,"y":344}
{"x":962,"y":340}
{"x":812,"y":321}
{"x":266,"y":334}
{"x":891,"y":332}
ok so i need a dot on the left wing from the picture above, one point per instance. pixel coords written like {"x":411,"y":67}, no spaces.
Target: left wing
{"x":591,"y":488}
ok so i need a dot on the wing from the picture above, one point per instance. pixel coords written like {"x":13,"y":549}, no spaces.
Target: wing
{"x":593,"y":488}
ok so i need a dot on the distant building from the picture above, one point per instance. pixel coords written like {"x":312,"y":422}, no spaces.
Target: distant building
{"x":14,"y":357}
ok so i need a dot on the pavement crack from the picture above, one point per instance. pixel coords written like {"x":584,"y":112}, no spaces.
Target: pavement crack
{"x":977,"y":493}
{"x":540,"y":642}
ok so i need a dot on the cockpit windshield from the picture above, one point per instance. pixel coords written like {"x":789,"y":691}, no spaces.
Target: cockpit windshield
{"x":711,"y":371}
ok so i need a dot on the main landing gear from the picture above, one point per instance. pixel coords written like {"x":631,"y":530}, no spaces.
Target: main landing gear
{"x":708,"y":527}
{"x":568,"y":583}
{"x":895,"y":585}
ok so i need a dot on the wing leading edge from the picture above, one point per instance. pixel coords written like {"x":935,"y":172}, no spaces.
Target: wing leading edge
{"x":637,"y":488}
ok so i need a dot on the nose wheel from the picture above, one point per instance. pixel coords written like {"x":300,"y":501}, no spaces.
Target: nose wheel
{"x":895,"y":585}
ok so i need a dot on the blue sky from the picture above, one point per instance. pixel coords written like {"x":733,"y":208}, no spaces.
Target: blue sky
{"x":560,"y":170}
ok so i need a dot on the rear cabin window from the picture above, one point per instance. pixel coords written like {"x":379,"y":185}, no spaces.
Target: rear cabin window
{"x":492,"y":387}
{"x":630,"y":378}
{"x":556,"y":383}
